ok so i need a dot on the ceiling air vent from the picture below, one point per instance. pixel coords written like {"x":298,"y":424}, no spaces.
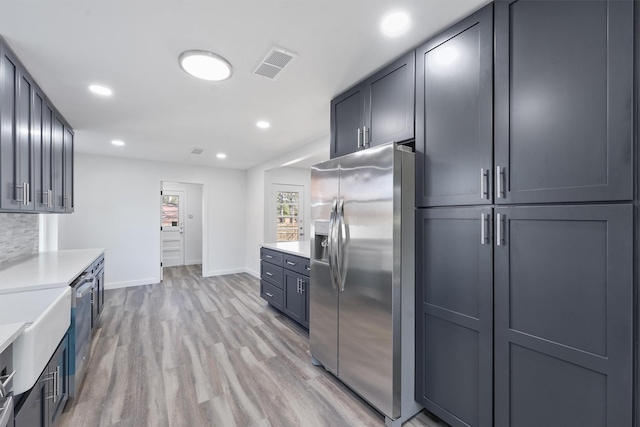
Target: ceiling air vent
{"x":197,"y":150}
{"x":274,"y":63}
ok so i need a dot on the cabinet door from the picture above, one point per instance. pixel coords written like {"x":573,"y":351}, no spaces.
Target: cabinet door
{"x":454,"y":320}
{"x":306,"y":289}
{"x":564,"y":316}
{"x":58,"y":369}
{"x":389,"y":103}
{"x":68,"y":170}
{"x":40,"y":147}
{"x":32,"y":413}
{"x":24,"y":159}
{"x":57,"y":164}
{"x":10,"y":195}
{"x":294,"y":298}
{"x":454,"y":122}
{"x":347,"y":118}
{"x":564,"y":101}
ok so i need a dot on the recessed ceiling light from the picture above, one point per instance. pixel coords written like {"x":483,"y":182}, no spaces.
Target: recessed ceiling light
{"x":117,"y":142}
{"x":205,"y":65}
{"x":395,"y":24}
{"x":100,"y":90}
{"x":263,"y":124}
{"x":221,"y":156}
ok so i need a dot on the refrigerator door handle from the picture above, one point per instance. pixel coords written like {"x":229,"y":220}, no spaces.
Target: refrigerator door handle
{"x":332,"y":246}
{"x":341,"y":246}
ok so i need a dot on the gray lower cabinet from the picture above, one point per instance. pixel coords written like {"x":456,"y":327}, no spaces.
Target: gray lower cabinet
{"x":42,"y":405}
{"x":563,"y":101}
{"x":284,"y":283}
{"x":564,"y":316}
{"x":454,"y":121}
{"x":454,"y":325}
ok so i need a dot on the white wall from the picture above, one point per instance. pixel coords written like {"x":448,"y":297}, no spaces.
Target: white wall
{"x":117,"y":207}
{"x":287,"y":176}
{"x":256,"y":223}
{"x":192,"y":220}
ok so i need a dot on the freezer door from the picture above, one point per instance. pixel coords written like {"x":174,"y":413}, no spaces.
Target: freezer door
{"x":323,"y":295}
{"x":369,"y":290}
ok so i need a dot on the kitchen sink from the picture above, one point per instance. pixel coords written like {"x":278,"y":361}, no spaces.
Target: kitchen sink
{"x":49,"y":313}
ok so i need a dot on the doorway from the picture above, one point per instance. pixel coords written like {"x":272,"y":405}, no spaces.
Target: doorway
{"x":181,"y":224}
{"x":287,"y":212}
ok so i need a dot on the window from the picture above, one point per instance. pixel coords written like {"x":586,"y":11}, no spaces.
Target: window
{"x":287,"y":221}
{"x":170,"y":211}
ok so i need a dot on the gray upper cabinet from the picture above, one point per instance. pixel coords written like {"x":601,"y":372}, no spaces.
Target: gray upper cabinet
{"x":376,"y":111}
{"x":36,"y":163}
{"x":454,"y":120}
{"x":564,"y":316}
{"x":563,"y":107}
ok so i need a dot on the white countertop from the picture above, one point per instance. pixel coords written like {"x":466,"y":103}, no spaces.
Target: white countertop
{"x":9,"y":333}
{"x":300,"y":248}
{"x":45,"y":270}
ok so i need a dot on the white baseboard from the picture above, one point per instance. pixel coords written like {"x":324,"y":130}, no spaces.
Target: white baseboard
{"x":141,"y":282}
{"x":253,"y":273}
{"x":224,"y":272}
{"x":193,"y":262}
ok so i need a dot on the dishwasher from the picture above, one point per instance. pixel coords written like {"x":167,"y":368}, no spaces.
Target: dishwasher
{"x":80,"y":330}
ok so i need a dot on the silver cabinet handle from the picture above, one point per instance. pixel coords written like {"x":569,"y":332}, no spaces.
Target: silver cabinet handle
{"x":268,"y":273}
{"x":56,"y":384}
{"x":27,"y":194}
{"x":483,"y":237}
{"x":307,"y":268}
{"x":4,"y":383}
{"x":301,"y":286}
{"x":268,"y":256}
{"x":499,"y":178}
{"x":291,"y":263}
{"x":359,"y":138}
{"x":298,"y":285}
{"x":269,"y":295}
{"x":484,"y":175}
{"x":365,"y":140}
{"x":499,"y":219}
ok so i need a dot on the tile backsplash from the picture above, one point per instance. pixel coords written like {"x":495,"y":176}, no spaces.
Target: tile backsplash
{"x":19,"y":236}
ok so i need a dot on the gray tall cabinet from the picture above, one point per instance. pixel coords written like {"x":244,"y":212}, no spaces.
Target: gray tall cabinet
{"x":525,"y":168}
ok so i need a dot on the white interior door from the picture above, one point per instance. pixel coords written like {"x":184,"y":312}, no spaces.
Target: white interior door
{"x":172,"y":228}
{"x":287,"y":212}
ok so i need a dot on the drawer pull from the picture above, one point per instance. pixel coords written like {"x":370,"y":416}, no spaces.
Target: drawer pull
{"x":269,"y":295}
{"x":307,"y":268}
{"x":268,"y":273}
{"x":268,"y":256}
{"x":291,"y":263}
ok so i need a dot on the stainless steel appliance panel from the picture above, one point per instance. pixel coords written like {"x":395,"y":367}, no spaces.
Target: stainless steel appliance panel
{"x":367,"y":338}
{"x":323,"y":304}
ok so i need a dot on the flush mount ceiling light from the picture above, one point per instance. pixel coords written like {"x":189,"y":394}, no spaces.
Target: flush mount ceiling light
{"x":221,"y":156}
{"x":100,"y":90}
{"x":117,"y":142}
{"x":263,"y":124}
{"x":205,"y":65}
{"x":395,"y":24}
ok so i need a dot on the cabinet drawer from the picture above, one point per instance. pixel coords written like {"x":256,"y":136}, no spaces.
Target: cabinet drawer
{"x":293,"y":263}
{"x":271,"y":273}
{"x":269,"y":255}
{"x":272,"y":294}
{"x":306,"y":267}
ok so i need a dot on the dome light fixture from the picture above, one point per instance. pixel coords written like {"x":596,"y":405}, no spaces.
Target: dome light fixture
{"x":395,"y":24}
{"x":262,"y":124}
{"x":221,"y":156}
{"x":205,"y":65}
{"x":117,"y":142}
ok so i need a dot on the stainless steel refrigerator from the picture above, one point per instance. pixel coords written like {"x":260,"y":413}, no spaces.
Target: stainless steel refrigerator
{"x":362,"y":297}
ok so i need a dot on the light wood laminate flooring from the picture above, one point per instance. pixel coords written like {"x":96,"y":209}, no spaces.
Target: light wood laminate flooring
{"x":194,"y":351}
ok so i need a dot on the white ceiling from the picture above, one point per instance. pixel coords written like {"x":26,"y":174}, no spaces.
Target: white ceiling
{"x":161,"y":112}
